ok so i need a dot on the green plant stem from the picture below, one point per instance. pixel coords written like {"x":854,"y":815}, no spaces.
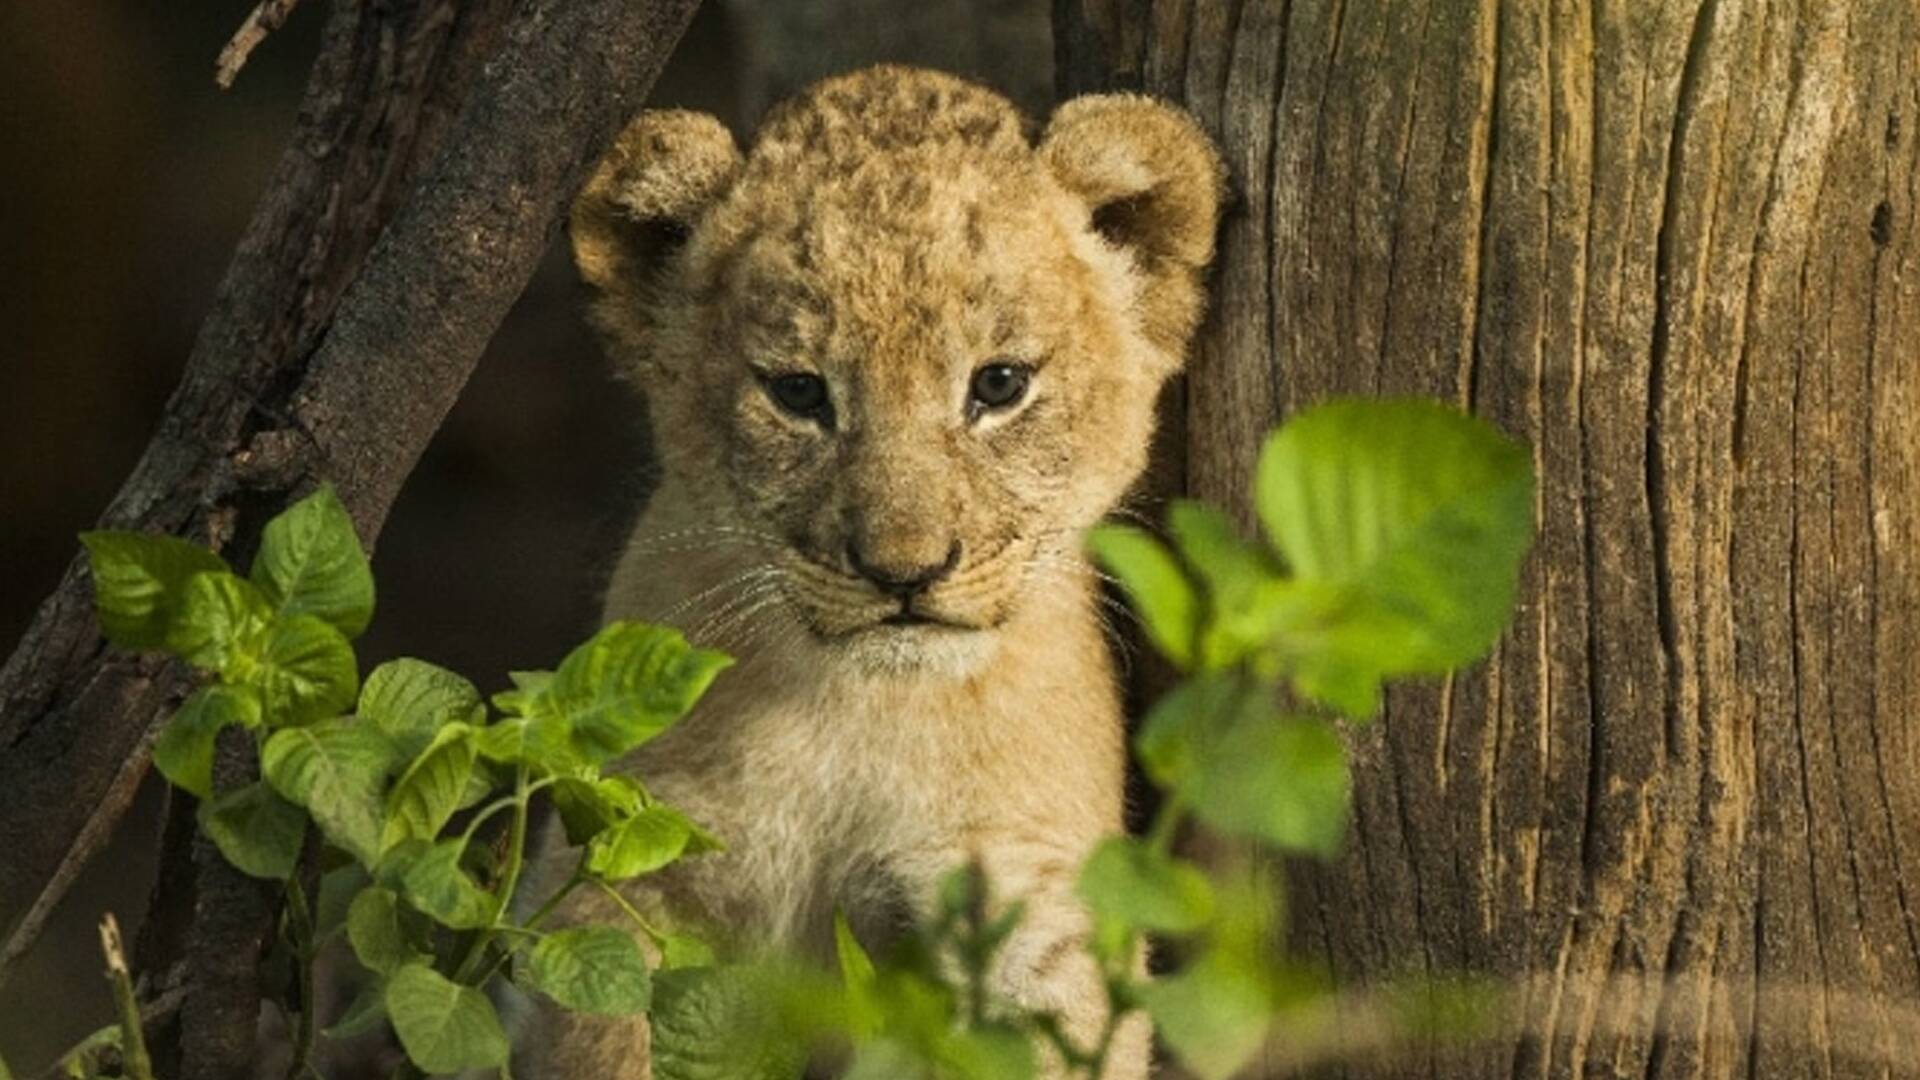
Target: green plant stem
{"x":578,"y":879}
{"x":518,"y":798}
{"x":474,"y":962}
{"x":977,"y":960}
{"x":1166,"y":822}
{"x":300,"y":922}
{"x":135,"y":1060}
{"x":1070,"y":1055}
{"x":658,"y":938}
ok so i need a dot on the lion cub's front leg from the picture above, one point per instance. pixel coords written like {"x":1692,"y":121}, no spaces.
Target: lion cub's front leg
{"x":1047,"y":965}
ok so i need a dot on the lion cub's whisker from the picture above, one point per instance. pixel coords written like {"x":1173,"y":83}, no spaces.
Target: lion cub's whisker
{"x":687,"y":604}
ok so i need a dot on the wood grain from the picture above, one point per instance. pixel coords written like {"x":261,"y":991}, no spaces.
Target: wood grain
{"x":1670,"y":245}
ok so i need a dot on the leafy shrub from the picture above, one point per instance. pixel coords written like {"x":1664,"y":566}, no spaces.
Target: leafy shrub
{"x":1393,"y":530}
{"x":380,"y":770}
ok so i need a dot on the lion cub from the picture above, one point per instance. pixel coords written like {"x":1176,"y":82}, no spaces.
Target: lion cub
{"x":897,"y":357}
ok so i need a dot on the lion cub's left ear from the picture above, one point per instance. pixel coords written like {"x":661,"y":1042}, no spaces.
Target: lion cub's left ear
{"x":1153,"y":182}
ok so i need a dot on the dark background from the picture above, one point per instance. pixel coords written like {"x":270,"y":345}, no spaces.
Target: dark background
{"x":126,"y":177}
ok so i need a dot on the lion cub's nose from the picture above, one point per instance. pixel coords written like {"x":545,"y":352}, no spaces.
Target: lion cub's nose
{"x":898,"y":579}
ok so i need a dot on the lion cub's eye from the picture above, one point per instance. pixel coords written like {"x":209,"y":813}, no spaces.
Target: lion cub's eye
{"x":998,"y":386}
{"x":802,"y":395}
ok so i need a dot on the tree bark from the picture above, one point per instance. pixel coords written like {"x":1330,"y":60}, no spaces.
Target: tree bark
{"x":787,"y":44}
{"x":1670,"y":245}
{"x":438,"y":147}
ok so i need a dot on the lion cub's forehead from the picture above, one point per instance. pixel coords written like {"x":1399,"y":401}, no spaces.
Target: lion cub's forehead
{"x":893,"y":212}
{"x":845,"y":119}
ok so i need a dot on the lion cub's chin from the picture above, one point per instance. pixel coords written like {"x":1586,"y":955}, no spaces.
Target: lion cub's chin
{"x":927,"y":650}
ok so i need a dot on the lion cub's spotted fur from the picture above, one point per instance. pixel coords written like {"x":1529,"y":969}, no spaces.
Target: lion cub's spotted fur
{"x":890,"y":231}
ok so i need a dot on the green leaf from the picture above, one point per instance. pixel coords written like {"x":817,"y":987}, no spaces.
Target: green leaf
{"x":540,"y":741}
{"x":1130,"y":883}
{"x":305,"y":671}
{"x":87,"y":1060}
{"x":592,"y":969}
{"x":886,"y":1058}
{"x":339,"y":887}
{"x":624,"y":686}
{"x":374,"y":931}
{"x":311,"y":563}
{"x":334,"y":769}
{"x":1214,"y":1015}
{"x":715,"y":1024}
{"x":1339,"y":650}
{"x":590,"y":807}
{"x":1243,"y":583}
{"x":526,"y":687}
{"x":184,"y":751}
{"x":684,"y":951}
{"x":864,"y":1013}
{"x":1183,"y":722}
{"x":856,"y":967}
{"x":431,"y":789}
{"x":645,"y":842}
{"x":140,"y":583}
{"x":256,"y":830}
{"x":445,"y":1027}
{"x":991,"y":1052}
{"x":411,"y":700}
{"x":219,"y":628}
{"x":1161,"y":593}
{"x":1407,"y":522}
{"x":1206,"y":538}
{"x":391,"y":870}
{"x":1282,"y":779}
{"x":368,"y":1009}
{"x":437,"y":886}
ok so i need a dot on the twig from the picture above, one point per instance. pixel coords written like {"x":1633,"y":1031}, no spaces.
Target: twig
{"x":93,"y":836}
{"x":264,"y":19}
{"x":133,"y":1039}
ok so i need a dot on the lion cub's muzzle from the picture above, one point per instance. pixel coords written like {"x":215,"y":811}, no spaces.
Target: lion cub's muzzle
{"x":907,"y":583}
{"x":873,"y":593}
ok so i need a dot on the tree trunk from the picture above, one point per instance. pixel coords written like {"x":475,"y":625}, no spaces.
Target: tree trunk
{"x":439,"y":145}
{"x":787,"y":44}
{"x":1671,"y":245}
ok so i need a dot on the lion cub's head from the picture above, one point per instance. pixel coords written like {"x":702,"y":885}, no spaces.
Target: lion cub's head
{"x":916,"y":347}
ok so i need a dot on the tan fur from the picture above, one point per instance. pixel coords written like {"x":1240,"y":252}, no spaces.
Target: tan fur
{"x":891,"y":231}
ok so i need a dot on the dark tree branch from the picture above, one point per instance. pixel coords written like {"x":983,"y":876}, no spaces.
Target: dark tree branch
{"x":353,"y":312}
{"x":232,"y":925}
{"x":264,"y":19}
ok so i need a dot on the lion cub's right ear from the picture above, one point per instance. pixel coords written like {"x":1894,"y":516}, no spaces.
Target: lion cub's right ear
{"x":663,"y":172}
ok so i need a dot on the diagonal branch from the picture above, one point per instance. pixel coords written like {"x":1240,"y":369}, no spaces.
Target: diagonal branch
{"x":264,"y":19}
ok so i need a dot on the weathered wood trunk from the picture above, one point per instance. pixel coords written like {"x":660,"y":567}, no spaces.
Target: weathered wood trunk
{"x":1671,"y":244}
